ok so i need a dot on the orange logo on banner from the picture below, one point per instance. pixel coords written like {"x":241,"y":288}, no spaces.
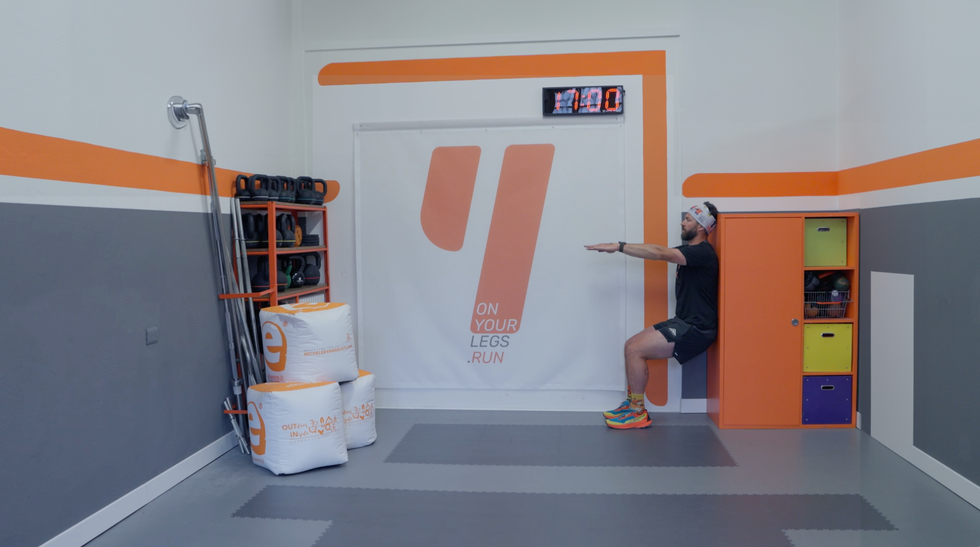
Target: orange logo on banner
{"x":258,"y":448}
{"x":359,"y":413}
{"x":313,"y":306}
{"x":514,"y":224}
{"x":448,"y":194}
{"x":278,"y":365}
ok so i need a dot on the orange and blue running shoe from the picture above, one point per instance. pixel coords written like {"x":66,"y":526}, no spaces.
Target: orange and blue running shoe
{"x":631,"y":419}
{"x":618,"y":411}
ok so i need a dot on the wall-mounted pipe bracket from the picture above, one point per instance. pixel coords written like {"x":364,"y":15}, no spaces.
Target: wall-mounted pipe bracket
{"x":177,"y":112}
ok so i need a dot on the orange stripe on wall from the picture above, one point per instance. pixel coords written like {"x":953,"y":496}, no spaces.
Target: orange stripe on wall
{"x":494,"y":68}
{"x":651,"y":65}
{"x":951,"y":162}
{"x":655,"y":272}
{"x":956,"y":161}
{"x":42,"y":157}
{"x":760,"y":185}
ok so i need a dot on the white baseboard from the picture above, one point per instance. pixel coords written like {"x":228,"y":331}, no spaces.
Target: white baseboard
{"x":694,"y":406}
{"x":517,"y":399}
{"x":115,"y":512}
{"x":960,"y":485}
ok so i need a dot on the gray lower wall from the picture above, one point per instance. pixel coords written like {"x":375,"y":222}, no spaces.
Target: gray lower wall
{"x":89,"y":411}
{"x":937,"y":243}
{"x":694,"y":378}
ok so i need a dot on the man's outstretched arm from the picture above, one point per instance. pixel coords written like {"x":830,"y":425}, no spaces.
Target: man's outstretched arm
{"x":646,"y":251}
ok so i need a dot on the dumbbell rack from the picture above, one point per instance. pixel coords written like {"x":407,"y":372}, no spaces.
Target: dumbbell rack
{"x":272,"y":208}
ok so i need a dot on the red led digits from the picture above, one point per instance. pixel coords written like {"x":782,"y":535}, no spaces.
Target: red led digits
{"x":597,"y":105}
{"x":583,"y":100}
{"x":614,"y":108}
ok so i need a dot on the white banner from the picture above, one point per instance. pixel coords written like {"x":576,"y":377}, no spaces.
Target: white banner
{"x":470,"y":260}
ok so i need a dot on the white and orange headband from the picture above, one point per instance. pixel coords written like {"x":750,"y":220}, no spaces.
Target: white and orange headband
{"x":704,"y":218}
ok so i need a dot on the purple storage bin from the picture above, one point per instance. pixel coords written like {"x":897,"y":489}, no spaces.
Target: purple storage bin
{"x":826,"y":400}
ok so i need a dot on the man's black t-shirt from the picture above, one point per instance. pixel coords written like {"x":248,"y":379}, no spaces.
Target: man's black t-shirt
{"x":696,"y":288}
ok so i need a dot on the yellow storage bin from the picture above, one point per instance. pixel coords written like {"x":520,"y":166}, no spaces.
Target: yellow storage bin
{"x":825,"y":242}
{"x":827,"y":347}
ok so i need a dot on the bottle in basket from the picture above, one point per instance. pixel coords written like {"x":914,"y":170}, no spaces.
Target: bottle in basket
{"x":837,"y":308}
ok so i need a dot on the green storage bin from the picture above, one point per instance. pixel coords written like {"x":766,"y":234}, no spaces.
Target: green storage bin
{"x":826,"y":242}
{"x":827,"y":347}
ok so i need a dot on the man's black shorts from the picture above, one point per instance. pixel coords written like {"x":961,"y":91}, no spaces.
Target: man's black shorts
{"x":689,"y":341}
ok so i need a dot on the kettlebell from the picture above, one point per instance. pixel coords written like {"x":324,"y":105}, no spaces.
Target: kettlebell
{"x":312,"y":271}
{"x":298,"y":278}
{"x":282,"y":277}
{"x":288,"y":193}
{"x":250,"y":231}
{"x":304,"y":190}
{"x":318,"y":195}
{"x":278,"y":226}
{"x":274,"y":187}
{"x":241,"y":188}
{"x":262,"y":228}
{"x":810,"y":281}
{"x":287,"y":226}
{"x":258,"y":188}
{"x":260,"y":281}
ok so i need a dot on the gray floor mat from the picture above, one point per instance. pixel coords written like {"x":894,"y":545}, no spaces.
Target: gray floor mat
{"x":583,"y":446}
{"x":376,"y":517}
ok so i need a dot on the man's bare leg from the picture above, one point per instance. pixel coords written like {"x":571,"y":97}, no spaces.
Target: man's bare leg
{"x":646,"y":344}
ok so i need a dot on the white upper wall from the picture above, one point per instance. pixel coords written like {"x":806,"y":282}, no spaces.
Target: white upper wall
{"x":909,"y":79}
{"x":758,"y":86}
{"x":101,"y":72}
{"x":757,"y":80}
{"x":383,"y":23}
{"x":761,"y":83}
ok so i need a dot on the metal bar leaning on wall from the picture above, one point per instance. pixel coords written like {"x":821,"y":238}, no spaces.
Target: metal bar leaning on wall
{"x":245,"y":279}
{"x":239,"y":346}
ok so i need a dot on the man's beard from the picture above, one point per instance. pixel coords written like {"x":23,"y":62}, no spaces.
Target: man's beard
{"x":689,"y":235}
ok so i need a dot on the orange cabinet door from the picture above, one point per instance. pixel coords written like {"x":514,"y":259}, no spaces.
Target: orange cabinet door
{"x":762,"y":296}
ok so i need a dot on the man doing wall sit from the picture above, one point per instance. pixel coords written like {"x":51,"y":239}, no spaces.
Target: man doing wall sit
{"x":695,"y":324}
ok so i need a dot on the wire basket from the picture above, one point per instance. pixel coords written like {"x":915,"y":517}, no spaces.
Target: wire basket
{"x":827,"y":304}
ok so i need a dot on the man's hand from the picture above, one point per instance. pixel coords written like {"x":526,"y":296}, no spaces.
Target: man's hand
{"x":603,"y":247}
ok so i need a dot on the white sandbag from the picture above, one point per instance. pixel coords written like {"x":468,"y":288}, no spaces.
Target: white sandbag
{"x":296,"y":426}
{"x":359,"y":410}
{"x":308,"y":342}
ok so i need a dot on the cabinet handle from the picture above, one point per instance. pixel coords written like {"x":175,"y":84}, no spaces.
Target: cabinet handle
{"x":828,"y":387}
{"x":827,"y":334}
{"x":795,"y":322}
{"x":823,"y":229}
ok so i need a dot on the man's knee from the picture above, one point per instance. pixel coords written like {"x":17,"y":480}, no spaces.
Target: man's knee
{"x":649,"y":344}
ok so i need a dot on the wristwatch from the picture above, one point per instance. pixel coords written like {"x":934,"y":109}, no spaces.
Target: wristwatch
{"x":621,"y":245}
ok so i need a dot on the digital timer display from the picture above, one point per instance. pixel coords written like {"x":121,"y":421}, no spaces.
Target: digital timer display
{"x":559,"y":101}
